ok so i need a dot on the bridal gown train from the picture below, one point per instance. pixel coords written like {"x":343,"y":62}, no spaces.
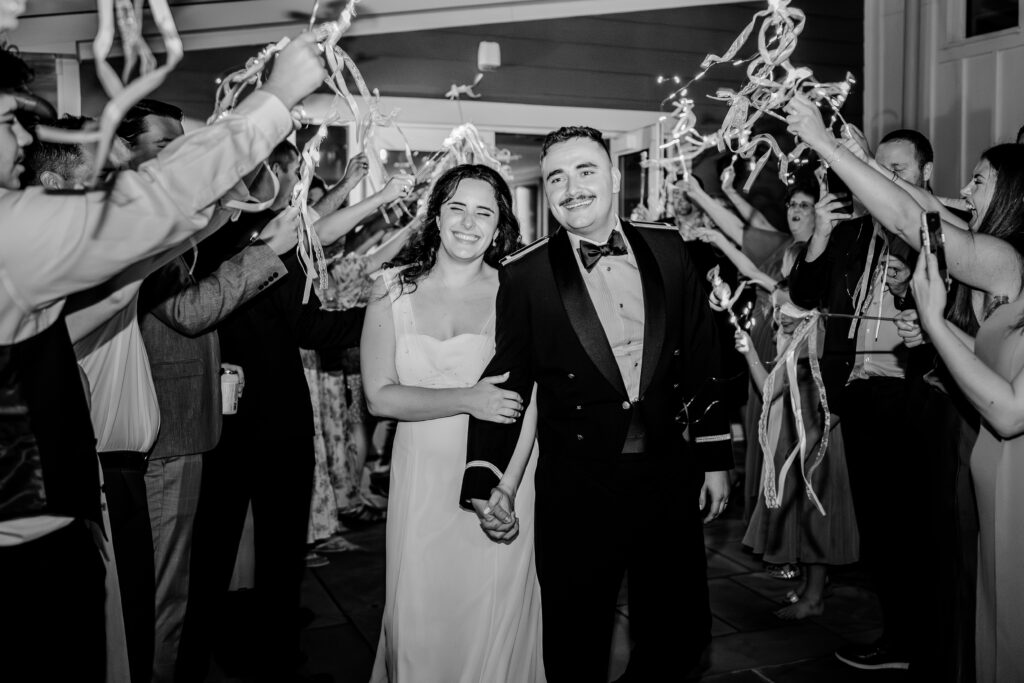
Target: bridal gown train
{"x":459,"y":607}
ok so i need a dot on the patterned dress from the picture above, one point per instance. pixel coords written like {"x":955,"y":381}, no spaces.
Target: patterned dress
{"x":338,"y":406}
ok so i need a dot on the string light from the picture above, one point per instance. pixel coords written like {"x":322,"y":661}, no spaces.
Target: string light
{"x":772,"y":81}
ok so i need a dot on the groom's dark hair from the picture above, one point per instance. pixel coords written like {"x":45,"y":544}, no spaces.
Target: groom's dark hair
{"x":566,"y":133}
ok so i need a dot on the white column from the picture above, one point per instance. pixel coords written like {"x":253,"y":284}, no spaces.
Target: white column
{"x":69,"y":86}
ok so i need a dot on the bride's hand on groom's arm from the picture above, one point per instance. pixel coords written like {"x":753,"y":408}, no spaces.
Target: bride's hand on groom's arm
{"x":497,"y":515}
{"x":487,"y":401}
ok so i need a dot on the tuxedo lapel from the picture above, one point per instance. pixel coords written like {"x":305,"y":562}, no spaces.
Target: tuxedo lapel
{"x":580,"y":309}
{"x":654,"y":304}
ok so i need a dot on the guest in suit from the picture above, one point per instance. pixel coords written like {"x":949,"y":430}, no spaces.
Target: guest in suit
{"x":610,"y":321}
{"x":178,"y":314}
{"x":179,"y":319}
{"x":265,"y":455}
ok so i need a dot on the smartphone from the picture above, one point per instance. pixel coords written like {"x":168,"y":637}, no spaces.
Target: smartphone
{"x":934,"y":241}
{"x":830,"y":182}
{"x":837,"y":187}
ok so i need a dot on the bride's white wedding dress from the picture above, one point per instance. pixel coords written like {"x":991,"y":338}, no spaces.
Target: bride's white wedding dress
{"x":459,"y":608}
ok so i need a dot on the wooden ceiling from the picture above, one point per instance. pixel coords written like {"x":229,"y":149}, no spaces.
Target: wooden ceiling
{"x":608,"y":61}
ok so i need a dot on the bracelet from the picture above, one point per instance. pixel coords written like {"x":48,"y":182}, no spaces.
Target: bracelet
{"x":835,"y":152}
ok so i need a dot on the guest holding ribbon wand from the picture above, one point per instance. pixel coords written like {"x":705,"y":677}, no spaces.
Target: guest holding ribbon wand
{"x":986,"y":262}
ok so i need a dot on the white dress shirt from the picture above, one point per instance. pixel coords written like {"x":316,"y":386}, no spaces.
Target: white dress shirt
{"x":617,"y":293}
{"x":54,"y":245}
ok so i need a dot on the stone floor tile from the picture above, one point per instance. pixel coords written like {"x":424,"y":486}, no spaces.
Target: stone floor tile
{"x":741,"y":608}
{"x":735,"y":551}
{"x":796,"y":642}
{"x":735,"y":677}
{"x":850,"y":610}
{"x":316,"y":598}
{"x":720,"y":628}
{"x":766,"y":585}
{"x":830,"y":669}
{"x":719,"y":565}
{"x":750,"y":644}
{"x":340,"y":651}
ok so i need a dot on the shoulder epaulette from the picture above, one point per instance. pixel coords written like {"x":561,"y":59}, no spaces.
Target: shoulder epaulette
{"x":520,"y":253}
{"x":656,"y":226}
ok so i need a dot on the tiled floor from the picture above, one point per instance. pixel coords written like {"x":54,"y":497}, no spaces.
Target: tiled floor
{"x":749,"y":642}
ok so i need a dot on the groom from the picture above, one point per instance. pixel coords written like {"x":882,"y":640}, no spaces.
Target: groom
{"x":608,"y":318}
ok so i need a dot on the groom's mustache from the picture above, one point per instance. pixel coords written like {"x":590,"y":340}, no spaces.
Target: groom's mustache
{"x":576,"y":198}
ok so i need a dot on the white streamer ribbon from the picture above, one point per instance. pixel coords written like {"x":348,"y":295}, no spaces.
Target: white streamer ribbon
{"x":127,"y":18}
{"x":806,"y":333}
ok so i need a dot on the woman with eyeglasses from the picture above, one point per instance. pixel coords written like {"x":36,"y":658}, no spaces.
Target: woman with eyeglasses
{"x":756,"y":248}
{"x":795,"y":533}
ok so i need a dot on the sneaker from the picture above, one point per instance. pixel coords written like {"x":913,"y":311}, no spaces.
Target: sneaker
{"x":871,"y":657}
{"x":314,"y":560}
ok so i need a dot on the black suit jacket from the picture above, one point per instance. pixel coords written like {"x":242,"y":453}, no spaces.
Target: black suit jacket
{"x":548,"y":333}
{"x":178,"y":316}
{"x":828,"y":283}
{"x":264,"y":336}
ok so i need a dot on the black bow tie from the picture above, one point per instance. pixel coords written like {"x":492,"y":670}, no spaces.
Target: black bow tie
{"x":591,"y":253}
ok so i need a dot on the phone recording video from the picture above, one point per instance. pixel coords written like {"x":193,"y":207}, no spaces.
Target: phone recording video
{"x":837,"y":187}
{"x":933,"y":239}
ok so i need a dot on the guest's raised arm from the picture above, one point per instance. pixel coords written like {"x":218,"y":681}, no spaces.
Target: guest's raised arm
{"x":978,"y":260}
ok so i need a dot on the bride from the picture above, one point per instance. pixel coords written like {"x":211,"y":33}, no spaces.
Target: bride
{"x":460,"y":608}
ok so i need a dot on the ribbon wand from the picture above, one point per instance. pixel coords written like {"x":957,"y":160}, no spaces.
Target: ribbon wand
{"x":722,"y":298}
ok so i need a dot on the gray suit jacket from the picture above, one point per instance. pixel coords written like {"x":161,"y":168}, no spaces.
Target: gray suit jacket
{"x":178,"y":316}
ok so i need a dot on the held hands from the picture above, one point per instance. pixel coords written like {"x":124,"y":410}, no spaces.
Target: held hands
{"x":909,"y":329}
{"x":714,"y":494}
{"x":497,"y":515}
{"x":929,"y":291}
{"x":493,"y":404}
{"x":298,"y":70}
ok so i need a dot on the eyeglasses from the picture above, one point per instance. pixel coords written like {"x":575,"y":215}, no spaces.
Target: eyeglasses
{"x":803,"y":206}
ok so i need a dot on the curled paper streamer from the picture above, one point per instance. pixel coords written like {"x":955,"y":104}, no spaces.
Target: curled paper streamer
{"x":722,"y":297}
{"x":127,"y":18}
{"x":457,"y":91}
{"x":462,"y":146}
{"x":232,"y":87}
{"x":772,"y":81}
{"x":774,"y":486}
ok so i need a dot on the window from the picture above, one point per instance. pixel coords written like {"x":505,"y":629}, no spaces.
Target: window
{"x":990,"y":16}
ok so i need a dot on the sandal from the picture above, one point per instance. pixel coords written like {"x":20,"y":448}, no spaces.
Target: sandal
{"x":336,"y":544}
{"x":314,"y":560}
{"x":786,"y":572}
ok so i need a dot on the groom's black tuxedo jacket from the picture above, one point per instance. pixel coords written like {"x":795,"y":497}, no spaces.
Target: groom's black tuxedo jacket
{"x":549,"y":333}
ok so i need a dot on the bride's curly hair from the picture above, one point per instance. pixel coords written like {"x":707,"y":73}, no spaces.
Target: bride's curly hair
{"x":420,"y":252}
